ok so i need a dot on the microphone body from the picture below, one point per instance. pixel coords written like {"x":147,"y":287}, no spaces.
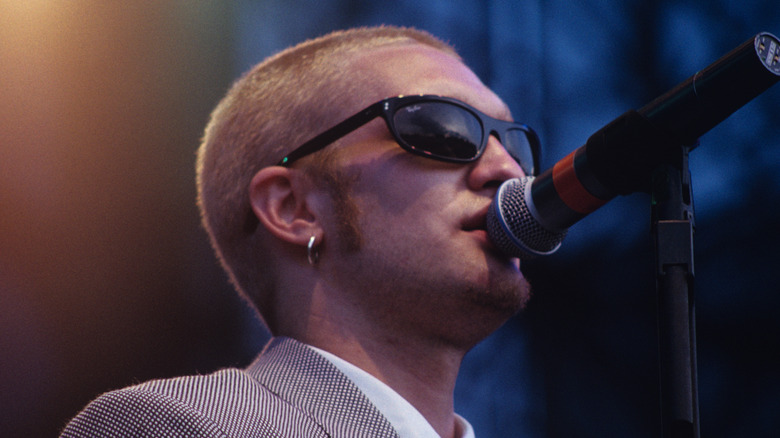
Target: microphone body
{"x":529,"y":217}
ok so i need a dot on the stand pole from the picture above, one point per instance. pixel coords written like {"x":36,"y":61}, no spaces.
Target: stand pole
{"x":672,"y":227}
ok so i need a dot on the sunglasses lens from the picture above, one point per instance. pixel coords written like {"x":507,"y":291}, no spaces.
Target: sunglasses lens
{"x":519,"y":147}
{"x":439,"y":129}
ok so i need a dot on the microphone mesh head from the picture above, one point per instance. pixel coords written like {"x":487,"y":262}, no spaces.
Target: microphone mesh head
{"x":512,"y":226}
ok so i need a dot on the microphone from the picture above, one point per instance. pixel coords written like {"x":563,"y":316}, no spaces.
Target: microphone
{"x":530,"y":216}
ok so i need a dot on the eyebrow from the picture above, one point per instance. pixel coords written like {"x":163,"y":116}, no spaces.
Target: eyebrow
{"x":503,"y":114}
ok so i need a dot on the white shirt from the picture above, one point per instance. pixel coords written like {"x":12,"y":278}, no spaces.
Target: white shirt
{"x":406,"y":420}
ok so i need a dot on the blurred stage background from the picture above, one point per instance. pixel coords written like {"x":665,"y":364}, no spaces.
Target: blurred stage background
{"x":106,"y":278}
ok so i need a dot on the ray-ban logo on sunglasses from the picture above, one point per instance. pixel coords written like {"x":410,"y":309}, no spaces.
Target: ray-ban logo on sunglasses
{"x":412,"y":109}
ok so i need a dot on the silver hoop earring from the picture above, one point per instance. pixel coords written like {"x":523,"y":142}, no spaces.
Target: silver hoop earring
{"x":312,"y":253}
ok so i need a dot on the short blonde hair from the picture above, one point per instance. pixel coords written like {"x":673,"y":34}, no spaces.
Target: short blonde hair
{"x":277,"y":105}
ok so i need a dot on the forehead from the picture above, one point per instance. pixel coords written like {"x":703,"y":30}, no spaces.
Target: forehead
{"x":418,"y":69}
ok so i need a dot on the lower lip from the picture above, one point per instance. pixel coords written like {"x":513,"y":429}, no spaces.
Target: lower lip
{"x":481,"y":235}
{"x":484,"y":238}
{"x":480,"y":232}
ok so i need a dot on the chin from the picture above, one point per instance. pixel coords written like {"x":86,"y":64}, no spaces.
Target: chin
{"x":505,"y":296}
{"x":489,"y":309}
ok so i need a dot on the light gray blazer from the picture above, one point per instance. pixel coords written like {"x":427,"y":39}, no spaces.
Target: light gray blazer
{"x":288,"y":391}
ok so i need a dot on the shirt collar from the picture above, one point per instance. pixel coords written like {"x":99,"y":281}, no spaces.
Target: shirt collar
{"x":406,"y":420}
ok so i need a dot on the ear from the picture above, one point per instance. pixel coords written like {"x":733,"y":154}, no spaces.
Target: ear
{"x":280,"y":199}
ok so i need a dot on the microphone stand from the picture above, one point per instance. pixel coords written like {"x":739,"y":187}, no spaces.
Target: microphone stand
{"x":672,"y":229}
{"x":686,"y":112}
{"x":620,"y":159}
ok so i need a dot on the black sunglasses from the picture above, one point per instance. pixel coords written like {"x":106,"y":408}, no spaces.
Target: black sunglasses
{"x":436,"y":127}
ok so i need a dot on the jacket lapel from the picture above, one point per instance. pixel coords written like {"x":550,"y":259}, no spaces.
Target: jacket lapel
{"x":312,"y":384}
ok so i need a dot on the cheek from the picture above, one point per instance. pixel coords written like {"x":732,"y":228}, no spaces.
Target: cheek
{"x":397,"y":190}
{"x":402,"y":189}
{"x":399,"y":215}
{"x":400,"y":194}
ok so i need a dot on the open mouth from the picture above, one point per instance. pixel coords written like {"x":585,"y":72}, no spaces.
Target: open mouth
{"x":476,"y":225}
{"x":477,"y":222}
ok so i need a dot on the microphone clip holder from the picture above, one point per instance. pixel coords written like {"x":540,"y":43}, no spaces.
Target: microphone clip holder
{"x":673,"y":228}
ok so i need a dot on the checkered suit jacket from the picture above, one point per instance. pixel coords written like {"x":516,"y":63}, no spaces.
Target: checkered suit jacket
{"x":288,"y":391}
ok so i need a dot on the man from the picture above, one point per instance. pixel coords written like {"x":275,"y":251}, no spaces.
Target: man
{"x":364,"y":250}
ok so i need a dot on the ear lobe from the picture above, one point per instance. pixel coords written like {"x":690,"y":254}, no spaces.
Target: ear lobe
{"x":278,"y":196}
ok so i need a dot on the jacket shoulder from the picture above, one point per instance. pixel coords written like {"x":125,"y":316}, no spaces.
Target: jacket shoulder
{"x":226,"y":403}
{"x":134,"y":412}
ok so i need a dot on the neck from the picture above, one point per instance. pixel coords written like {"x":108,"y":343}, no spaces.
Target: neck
{"x":424,"y":375}
{"x":413,"y":350}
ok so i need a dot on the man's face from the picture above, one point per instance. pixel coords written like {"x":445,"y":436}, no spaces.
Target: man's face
{"x":424,"y":258}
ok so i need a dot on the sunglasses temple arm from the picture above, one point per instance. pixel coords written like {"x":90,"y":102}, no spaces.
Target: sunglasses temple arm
{"x":334,"y":133}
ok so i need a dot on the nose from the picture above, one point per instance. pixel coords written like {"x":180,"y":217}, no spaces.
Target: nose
{"x":494,"y":167}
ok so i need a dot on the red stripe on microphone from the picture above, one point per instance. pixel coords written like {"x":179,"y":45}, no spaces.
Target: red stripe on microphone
{"x":571,"y":190}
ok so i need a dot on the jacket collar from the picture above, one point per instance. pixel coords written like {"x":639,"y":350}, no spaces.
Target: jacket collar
{"x":312,"y":384}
